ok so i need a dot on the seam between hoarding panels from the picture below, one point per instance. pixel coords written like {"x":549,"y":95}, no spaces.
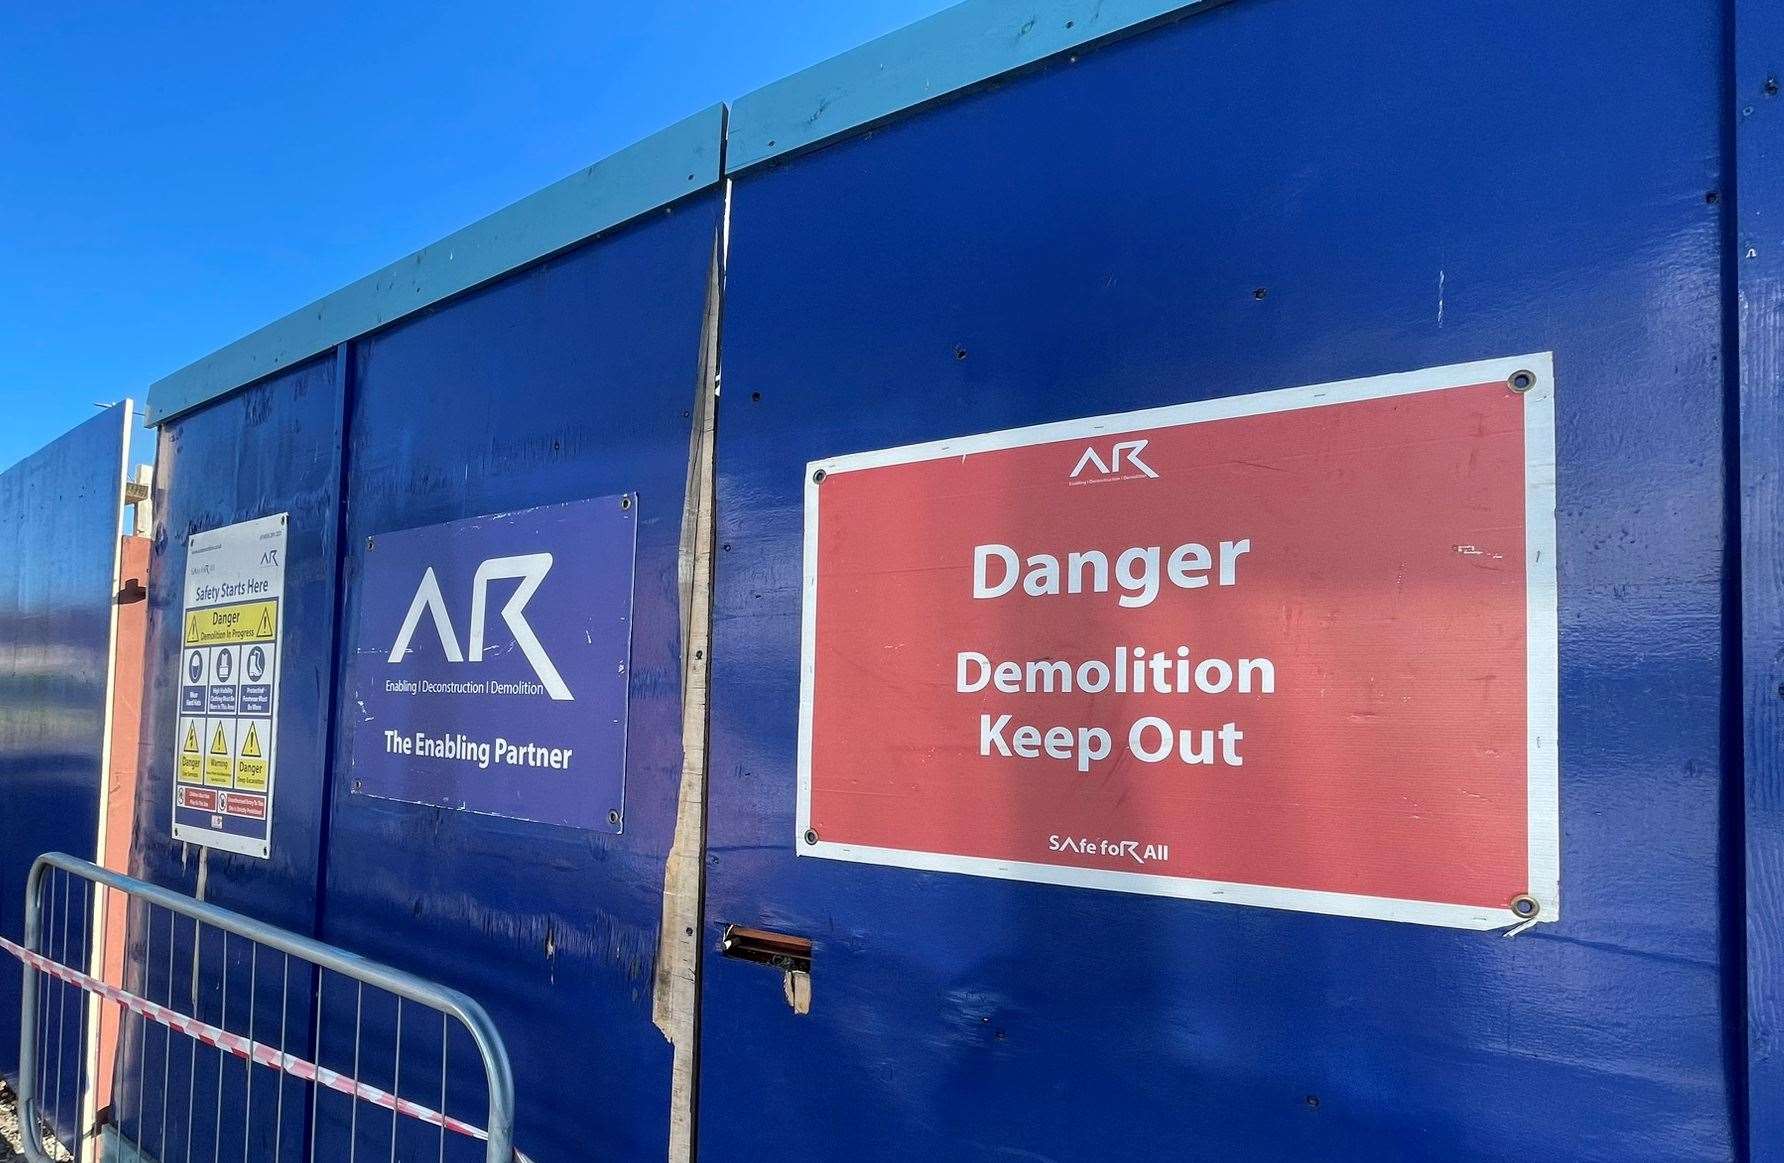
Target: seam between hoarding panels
{"x":675,"y":994}
{"x":1753,"y":304}
{"x":344,"y":384}
{"x":97,"y":931}
{"x":1731,"y":872}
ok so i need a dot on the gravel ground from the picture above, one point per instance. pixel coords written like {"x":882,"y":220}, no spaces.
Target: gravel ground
{"x":10,"y":1144}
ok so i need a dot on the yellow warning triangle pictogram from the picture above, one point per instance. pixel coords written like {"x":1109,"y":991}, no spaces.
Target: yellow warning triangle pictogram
{"x":191,"y":739}
{"x":251,"y":745}
{"x":266,"y":623}
{"x":219,"y":745}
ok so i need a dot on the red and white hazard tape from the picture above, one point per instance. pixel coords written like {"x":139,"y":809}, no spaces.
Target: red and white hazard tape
{"x":243,"y":1048}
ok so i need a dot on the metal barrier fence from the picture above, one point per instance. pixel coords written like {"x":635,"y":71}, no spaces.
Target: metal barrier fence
{"x":229,"y":1098}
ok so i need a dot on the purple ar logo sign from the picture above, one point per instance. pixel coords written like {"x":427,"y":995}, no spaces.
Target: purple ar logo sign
{"x":520,"y":710}
{"x":531,"y":569}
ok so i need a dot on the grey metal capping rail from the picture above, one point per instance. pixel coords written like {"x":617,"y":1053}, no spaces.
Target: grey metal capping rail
{"x":956,"y":49}
{"x":671,"y":164}
{"x":448,"y":1002}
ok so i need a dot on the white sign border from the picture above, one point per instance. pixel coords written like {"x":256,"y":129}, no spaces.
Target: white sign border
{"x":1543,"y":713}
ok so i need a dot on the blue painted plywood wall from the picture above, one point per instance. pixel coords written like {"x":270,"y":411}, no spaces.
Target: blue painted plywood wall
{"x":572,"y":379}
{"x":1265,"y":195}
{"x":62,"y":510}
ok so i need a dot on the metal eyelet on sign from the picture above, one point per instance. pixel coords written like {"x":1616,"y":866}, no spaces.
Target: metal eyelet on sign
{"x":817,"y":477}
{"x":811,"y":837}
{"x":1521,"y":380}
{"x":1525,"y":907}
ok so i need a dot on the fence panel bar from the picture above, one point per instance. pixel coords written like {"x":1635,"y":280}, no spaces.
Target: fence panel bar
{"x":49,"y":962}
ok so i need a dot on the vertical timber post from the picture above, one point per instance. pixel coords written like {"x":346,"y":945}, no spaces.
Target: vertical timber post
{"x":675,"y":1006}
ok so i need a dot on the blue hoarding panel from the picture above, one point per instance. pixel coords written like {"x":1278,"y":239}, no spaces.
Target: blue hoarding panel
{"x":62,"y":507}
{"x":272,"y":448}
{"x":1261,"y":196}
{"x":568,"y":380}
{"x":516,"y":705}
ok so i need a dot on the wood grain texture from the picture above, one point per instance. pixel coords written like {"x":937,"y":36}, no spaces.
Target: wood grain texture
{"x":675,"y":999}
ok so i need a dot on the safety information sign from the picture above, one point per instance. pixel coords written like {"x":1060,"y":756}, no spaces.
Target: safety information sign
{"x":233,"y":628}
{"x":1293,"y":649}
{"x":491,"y":664}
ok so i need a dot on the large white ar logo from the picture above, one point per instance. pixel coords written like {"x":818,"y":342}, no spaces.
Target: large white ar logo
{"x":1130,"y":449}
{"x":531,"y":569}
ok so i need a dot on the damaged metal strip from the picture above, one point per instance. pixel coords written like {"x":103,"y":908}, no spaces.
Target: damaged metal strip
{"x":675,"y":1000}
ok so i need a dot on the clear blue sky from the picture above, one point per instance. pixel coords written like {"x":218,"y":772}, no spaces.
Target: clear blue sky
{"x":175,"y":174}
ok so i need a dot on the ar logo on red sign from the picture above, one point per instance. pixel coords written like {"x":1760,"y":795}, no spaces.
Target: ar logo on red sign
{"x":1300,"y":653}
{"x":1111,"y":469}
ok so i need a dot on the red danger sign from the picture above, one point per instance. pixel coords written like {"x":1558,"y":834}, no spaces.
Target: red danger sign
{"x":1293,"y":649}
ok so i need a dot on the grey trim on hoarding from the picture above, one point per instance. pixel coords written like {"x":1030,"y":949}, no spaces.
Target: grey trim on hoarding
{"x":681,"y":160}
{"x":953,"y":50}
{"x":957,"y":48}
